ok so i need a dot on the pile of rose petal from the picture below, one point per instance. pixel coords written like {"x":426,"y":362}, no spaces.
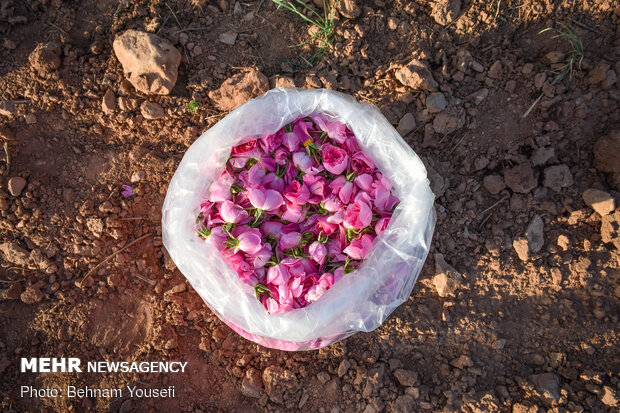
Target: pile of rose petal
{"x":295,"y":211}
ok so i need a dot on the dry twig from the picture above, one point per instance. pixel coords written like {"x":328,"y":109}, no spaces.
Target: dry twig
{"x":114,"y":254}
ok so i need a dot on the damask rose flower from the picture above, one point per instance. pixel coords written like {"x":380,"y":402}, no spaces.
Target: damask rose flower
{"x":361,"y":164}
{"x":335,"y":160}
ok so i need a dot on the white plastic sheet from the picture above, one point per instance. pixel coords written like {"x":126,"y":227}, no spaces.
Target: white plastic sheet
{"x":362,"y":299}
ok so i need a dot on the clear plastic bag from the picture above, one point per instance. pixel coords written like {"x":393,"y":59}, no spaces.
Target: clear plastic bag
{"x":362,"y":299}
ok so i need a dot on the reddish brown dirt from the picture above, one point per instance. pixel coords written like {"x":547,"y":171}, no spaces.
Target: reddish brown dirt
{"x":478,"y":350}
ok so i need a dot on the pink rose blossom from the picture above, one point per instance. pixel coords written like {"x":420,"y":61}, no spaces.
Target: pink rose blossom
{"x":264,"y":199}
{"x":318,"y":252}
{"x":297,"y":193}
{"x":359,"y":248}
{"x":361,"y":164}
{"x":335,"y":160}
{"x":358,"y":215}
{"x":232,"y":213}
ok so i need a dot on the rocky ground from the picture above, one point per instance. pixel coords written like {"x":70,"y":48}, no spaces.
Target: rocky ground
{"x":517,"y":306}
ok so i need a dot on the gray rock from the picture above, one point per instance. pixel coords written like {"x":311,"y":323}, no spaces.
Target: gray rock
{"x":406,"y":124}
{"x":446,"y":280}
{"x":601,"y":201}
{"x":534,"y":234}
{"x":16,"y":185}
{"x":436,"y":102}
{"x":229,"y":38}
{"x":416,"y":75}
{"x":520,"y":178}
{"x":548,"y":385}
{"x":558,"y":177}
{"x":439,"y":184}
{"x":150,"y":62}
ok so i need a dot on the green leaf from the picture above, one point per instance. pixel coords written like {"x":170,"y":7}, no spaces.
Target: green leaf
{"x":192,"y":106}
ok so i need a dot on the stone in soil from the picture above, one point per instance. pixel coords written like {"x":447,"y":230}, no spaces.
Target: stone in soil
{"x":150,"y":62}
{"x":479,"y":96}
{"x":350,"y":9}
{"x":548,"y":385}
{"x":446,"y":280}
{"x":416,"y":75}
{"x":600,"y":201}
{"x":598,"y":73}
{"x":45,"y":58}
{"x":542,"y":155}
{"x":276,"y":381}
{"x":607,"y":153}
{"x":449,"y":120}
{"x":343,"y":367}
{"x":610,"y":229}
{"x":138,"y":176}
{"x":558,"y":177}
{"x":16,"y":185}
{"x":229,"y":38}
{"x":461,"y":362}
{"x":238,"y":89}
{"x":31,"y":295}
{"x":252,"y":384}
{"x":108,"y":103}
{"x":445,"y":11}
{"x":7,"y":108}
{"x":6,"y":133}
{"x":14,"y":291}
{"x":403,"y":404}
{"x":495,"y":71}
{"x":151,"y":110}
{"x":323,"y":377}
{"x":522,"y":248}
{"x":534,"y":234}
{"x":439,"y":184}
{"x":406,"y":124}
{"x":30,"y":118}
{"x":609,"y":396}
{"x":493,"y":183}
{"x":436,"y":102}
{"x":406,"y":377}
{"x":520,"y":178}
